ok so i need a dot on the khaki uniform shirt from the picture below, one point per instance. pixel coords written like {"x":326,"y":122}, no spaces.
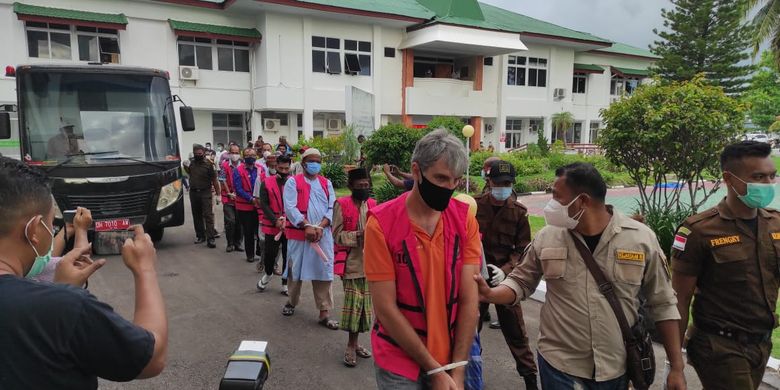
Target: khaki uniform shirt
{"x":579,"y":333}
{"x":202,"y":174}
{"x":737,"y":271}
{"x":354,"y":266}
{"x":505,"y":233}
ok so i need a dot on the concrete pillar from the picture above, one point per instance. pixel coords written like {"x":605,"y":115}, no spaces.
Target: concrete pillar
{"x":476,"y":121}
{"x":407,"y":80}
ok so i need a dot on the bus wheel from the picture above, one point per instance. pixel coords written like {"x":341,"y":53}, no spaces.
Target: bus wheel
{"x":156,"y":234}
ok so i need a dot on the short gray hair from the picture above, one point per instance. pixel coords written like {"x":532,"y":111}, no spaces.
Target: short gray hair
{"x":440,"y":144}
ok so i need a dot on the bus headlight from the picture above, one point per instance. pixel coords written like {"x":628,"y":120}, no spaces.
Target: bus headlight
{"x":169,"y":194}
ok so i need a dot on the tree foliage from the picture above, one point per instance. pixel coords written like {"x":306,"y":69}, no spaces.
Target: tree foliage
{"x":671,"y":134}
{"x":561,"y":122}
{"x":767,"y":25}
{"x":453,"y":124}
{"x":704,"y":36}
{"x":392,"y":144}
{"x":763,"y":96}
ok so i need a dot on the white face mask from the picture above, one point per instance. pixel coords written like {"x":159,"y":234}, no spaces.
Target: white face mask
{"x":556,"y":214}
{"x":234,"y":157}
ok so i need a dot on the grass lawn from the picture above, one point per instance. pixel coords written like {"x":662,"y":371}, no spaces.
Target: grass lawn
{"x":537,"y":223}
{"x":776,"y":338}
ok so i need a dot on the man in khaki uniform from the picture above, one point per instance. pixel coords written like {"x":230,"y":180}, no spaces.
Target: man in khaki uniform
{"x":727,"y":257}
{"x":580,"y":344}
{"x":505,"y":231}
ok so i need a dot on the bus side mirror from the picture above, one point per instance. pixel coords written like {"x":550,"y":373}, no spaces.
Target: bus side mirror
{"x":5,"y":125}
{"x":187,"y":118}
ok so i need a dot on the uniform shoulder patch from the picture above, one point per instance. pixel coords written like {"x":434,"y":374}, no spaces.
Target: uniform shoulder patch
{"x":702,"y":216}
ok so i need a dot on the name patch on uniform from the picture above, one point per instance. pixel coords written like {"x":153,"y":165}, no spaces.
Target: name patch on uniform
{"x":776,"y":236}
{"x":728,"y":240}
{"x":630,"y":256}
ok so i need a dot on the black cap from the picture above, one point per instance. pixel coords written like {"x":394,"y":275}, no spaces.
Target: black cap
{"x":197,"y":147}
{"x":501,"y":170}
{"x":357,"y":174}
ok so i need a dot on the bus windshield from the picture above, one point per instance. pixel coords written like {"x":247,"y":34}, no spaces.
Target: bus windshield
{"x":94,"y":118}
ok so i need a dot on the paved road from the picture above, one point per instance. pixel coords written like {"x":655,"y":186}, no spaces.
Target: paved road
{"x":212,"y":305}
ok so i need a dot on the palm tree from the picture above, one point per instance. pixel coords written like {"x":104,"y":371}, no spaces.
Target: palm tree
{"x":561,"y":122}
{"x":767,"y":24}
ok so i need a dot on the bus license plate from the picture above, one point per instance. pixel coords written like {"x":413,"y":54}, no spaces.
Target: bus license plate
{"x":112,"y":225}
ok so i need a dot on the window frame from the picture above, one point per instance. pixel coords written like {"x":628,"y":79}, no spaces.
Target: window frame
{"x":537,"y":69}
{"x":98,"y":34}
{"x":513,"y":130}
{"x":228,"y":128}
{"x":514,"y":67}
{"x":195,"y":44}
{"x":361,"y":56}
{"x":575,"y":89}
{"x":234,"y":47}
{"x":330,"y":46}
{"x":49,"y":30}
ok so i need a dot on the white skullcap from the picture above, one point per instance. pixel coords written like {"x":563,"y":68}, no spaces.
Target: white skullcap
{"x":311,"y":152}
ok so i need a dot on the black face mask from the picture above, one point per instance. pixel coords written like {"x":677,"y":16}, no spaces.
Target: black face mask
{"x":282,"y":175}
{"x":199,"y":158}
{"x":437,"y":198}
{"x":361,"y":194}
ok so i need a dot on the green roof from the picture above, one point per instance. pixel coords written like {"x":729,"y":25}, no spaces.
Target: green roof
{"x":622,"y":48}
{"x":61,"y":13}
{"x":251,"y":33}
{"x":589,"y":67}
{"x":462,"y":13}
{"x":632,"y":72}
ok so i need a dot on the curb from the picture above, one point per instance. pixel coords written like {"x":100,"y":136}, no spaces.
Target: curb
{"x":770,"y":379}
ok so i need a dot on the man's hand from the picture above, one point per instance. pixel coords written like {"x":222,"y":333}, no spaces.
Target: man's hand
{"x":484,"y":290}
{"x":138,"y":252}
{"x":232,"y":195}
{"x":386,"y":169}
{"x":497,"y":275}
{"x":83,"y":219}
{"x":676,"y":380}
{"x":458,"y":375}
{"x":280,"y":222}
{"x":319,"y":233}
{"x":70,"y":230}
{"x":311,"y":234}
{"x":443,"y":381}
{"x":76,"y":267}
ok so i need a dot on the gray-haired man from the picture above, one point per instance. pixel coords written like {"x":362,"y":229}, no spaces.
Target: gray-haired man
{"x":421,"y":250}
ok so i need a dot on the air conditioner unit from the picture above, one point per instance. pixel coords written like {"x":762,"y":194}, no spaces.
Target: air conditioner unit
{"x":271,"y":125}
{"x":559,"y":93}
{"x":334,"y":124}
{"x":188,"y":72}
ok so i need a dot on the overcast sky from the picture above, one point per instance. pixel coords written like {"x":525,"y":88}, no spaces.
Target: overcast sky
{"x":626,"y":21}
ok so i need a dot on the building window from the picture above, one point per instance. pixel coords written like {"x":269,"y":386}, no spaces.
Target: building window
{"x":299,"y":120}
{"x":580,"y":83}
{"x":195,"y":52}
{"x":98,"y":44}
{"x":594,"y":132}
{"x":326,"y":55}
{"x":390,"y":52}
{"x":537,"y":72}
{"x":619,"y":85}
{"x":232,"y":56}
{"x":318,"y":134}
{"x":357,"y":57}
{"x":535,"y":125}
{"x":48,"y":40}
{"x":516,"y":72}
{"x":514,"y":133}
{"x":433,"y":67}
{"x":488,"y":61}
{"x":227,"y":127}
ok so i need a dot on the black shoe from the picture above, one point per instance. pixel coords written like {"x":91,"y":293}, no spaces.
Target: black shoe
{"x":217,"y":235}
{"x":495,"y":325}
{"x":251,"y":259}
{"x":238,"y":248}
{"x":530,"y":382}
{"x":486,"y":317}
{"x":229,"y":249}
{"x":200,"y":240}
{"x":210,"y":243}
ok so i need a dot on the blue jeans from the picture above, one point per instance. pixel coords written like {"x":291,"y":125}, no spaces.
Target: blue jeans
{"x":552,"y":379}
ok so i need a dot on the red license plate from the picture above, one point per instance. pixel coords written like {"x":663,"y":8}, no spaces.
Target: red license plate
{"x":111,"y":225}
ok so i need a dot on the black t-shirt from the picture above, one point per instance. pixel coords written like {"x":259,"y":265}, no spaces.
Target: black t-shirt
{"x":61,"y":337}
{"x":592,"y":241}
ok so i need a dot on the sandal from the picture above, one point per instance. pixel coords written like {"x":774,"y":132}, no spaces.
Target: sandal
{"x":288,"y":310}
{"x":328,"y":323}
{"x":349,"y":358}
{"x":362,"y":352}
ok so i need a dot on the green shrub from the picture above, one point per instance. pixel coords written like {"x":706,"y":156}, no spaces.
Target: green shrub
{"x":385,"y":192}
{"x":477,"y":161}
{"x":542,"y":143}
{"x":392,"y":144}
{"x":540,"y":182}
{"x":453,"y":124}
{"x":529,"y":167}
{"x":335,"y":173}
{"x":351,"y":145}
{"x":331,"y":147}
{"x":664,"y":222}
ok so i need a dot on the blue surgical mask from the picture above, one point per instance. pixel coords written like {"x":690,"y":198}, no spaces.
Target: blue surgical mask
{"x":313,"y":168}
{"x":501,"y":193}
{"x":40,"y":261}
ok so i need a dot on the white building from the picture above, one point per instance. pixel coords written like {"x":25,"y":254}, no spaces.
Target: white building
{"x":287,"y":67}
